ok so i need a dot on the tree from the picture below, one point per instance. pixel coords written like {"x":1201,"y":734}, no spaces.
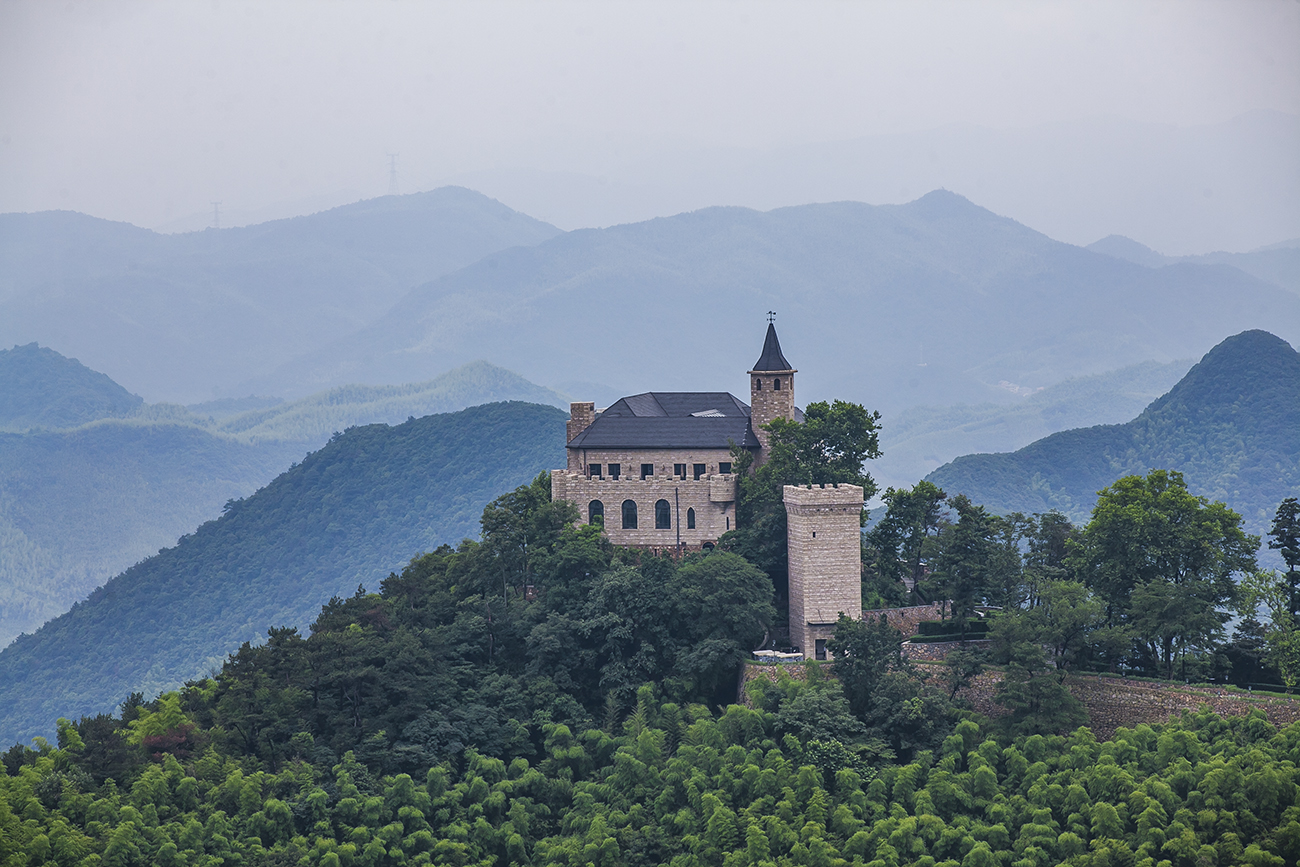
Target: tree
{"x":1032,"y":687}
{"x":901,"y":542}
{"x":830,"y":446}
{"x":978,"y":557}
{"x":1163,"y":562}
{"x":1284,"y":536}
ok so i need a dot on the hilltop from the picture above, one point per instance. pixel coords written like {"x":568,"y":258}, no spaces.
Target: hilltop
{"x":347,"y":515}
{"x":41,"y":388}
{"x":935,"y":302}
{"x":180,"y":317}
{"x":1231,"y":426}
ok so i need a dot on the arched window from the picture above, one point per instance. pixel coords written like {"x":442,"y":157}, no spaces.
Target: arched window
{"x":629,"y":514}
{"x":707,"y":546}
{"x":596,"y":513}
{"x":663,"y":515}
{"x":758,"y":385}
{"x":776,"y":384}
{"x":690,"y":519}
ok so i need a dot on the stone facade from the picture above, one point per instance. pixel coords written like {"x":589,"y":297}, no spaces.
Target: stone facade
{"x":824,"y":531}
{"x":771,"y":396}
{"x":710,"y":501}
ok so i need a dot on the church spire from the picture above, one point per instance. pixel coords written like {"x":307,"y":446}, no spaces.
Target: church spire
{"x":771,"y":359}
{"x":771,"y":389}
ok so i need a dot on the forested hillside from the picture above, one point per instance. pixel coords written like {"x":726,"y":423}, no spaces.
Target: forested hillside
{"x":177,"y":317}
{"x":82,"y":503}
{"x":1231,"y":426}
{"x":936,"y":302}
{"x":539,"y":696}
{"x":40,"y":388}
{"x":347,"y":515}
{"x":920,"y":439}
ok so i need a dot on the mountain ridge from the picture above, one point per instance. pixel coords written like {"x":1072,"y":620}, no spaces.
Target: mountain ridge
{"x":958,"y":285}
{"x":349,"y":513}
{"x":1231,"y":426}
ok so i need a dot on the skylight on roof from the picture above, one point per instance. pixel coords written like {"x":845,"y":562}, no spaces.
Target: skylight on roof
{"x":708,"y":413}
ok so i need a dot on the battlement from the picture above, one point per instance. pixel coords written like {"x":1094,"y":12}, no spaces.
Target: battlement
{"x":823,"y":495}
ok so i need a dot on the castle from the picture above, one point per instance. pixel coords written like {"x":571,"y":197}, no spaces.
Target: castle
{"x":655,"y":469}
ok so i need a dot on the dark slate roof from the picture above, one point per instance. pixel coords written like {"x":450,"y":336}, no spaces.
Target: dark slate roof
{"x":670,"y":420}
{"x":771,"y":359}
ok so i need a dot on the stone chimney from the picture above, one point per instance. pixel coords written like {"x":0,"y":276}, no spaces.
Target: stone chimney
{"x":581,"y":415}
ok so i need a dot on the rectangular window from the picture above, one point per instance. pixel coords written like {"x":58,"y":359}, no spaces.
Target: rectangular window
{"x":593,"y":471}
{"x":819,"y":647}
{"x":614,"y":470}
{"x":647,"y":470}
{"x":724,"y":467}
{"x":679,"y":470}
{"x":699,"y":471}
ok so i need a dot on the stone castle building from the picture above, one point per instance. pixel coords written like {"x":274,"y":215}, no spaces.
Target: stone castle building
{"x":655,"y":469}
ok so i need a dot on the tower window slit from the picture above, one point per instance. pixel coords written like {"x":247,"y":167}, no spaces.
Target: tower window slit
{"x":690,"y":519}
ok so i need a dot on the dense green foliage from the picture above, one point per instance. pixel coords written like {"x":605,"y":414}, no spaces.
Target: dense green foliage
{"x":829,"y":446}
{"x":80,"y":505}
{"x":347,"y":515}
{"x":673,"y":785}
{"x":1231,"y":427}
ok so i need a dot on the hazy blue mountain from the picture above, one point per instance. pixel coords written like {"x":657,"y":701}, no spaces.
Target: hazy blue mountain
{"x":81,"y":504}
{"x":933,"y":302}
{"x":312,"y":419}
{"x":181,"y":317}
{"x":349,"y":514}
{"x":40,"y":388}
{"x":920,"y":439}
{"x":1276,"y":263}
{"x":1231,"y":426}
{"x":78,"y":506}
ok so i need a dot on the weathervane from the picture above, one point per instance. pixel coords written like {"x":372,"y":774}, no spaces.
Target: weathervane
{"x":771,"y":316}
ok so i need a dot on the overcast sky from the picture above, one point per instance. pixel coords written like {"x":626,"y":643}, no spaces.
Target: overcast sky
{"x":146,"y":112}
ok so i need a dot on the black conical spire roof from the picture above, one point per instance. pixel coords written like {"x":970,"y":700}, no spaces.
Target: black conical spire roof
{"x":771,"y":359}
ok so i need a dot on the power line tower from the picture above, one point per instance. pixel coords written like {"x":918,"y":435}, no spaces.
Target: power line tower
{"x":216,"y":215}
{"x":392,"y":174}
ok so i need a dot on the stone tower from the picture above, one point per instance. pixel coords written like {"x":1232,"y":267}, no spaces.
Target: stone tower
{"x":824,"y":531}
{"x":771,"y":389}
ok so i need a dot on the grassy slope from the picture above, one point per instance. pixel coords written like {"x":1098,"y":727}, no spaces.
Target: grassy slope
{"x":349,"y":514}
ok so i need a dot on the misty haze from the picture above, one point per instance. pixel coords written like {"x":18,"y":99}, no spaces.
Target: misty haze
{"x":386,"y":475}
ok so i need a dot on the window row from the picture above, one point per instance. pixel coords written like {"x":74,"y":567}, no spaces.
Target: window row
{"x":698,"y":471}
{"x":663,"y":515}
{"x":776,"y":384}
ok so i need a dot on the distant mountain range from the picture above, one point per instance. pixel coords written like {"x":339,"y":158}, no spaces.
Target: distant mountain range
{"x":92,"y":479}
{"x":183,"y":317}
{"x":919,"y":440}
{"x":1277,"y":263}
{"x":934,"y":302}
{"x":1231,"y":426}
{"x":349,"y":514}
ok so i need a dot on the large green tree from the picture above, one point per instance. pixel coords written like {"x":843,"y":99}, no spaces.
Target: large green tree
{"x":899,"y":546}
{"x":830,"y":446}
{"x":1284,"y":537}
{"x":1163,"y":562}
